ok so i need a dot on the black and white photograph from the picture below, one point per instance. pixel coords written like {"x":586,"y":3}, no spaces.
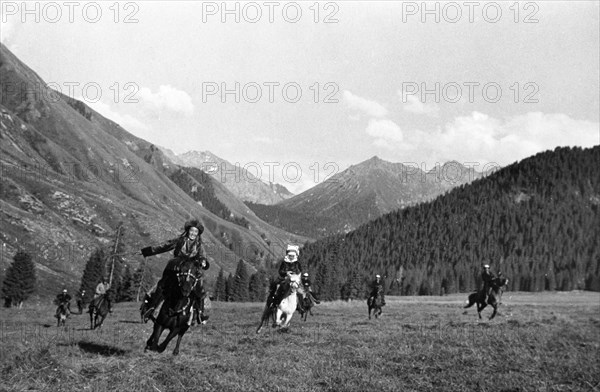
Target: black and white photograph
{"x":300,"y":196}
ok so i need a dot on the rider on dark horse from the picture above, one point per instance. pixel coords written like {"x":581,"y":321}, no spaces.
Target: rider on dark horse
{"x":102,"y":294}
{"x":306,"y":285}
{"x":487,"y":276}
{"x":290,"y":264}
{"x":63,"y":299}
{"x":81,"y":301}
{"x":377,"y":289}
{"x":187,"y":246}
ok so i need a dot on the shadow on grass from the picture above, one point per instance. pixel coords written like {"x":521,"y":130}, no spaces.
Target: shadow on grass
{"x":130,"y":322}
{"x":103,"y":349}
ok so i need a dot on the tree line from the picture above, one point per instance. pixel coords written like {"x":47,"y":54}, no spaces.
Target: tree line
{"x":536,"y":221}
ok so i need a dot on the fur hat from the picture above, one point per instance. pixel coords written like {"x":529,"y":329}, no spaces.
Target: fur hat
{"x":193,"y":223}
{"x":293,"y":248}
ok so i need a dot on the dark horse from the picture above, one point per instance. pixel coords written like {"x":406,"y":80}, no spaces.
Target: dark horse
{"x":375,"y":304}
{"x":496,"y":289}
{"x":98,"y":310}
{"x":62,"y":312}
{"x":305,"y":304}
{"x":176,"y":312}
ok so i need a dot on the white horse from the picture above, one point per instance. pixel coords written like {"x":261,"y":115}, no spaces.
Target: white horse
{"x":283,"y":314}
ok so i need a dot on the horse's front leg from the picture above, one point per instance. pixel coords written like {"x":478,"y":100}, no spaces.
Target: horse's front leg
{"x":91,"y":319}
{"x":494,"y":312}
{"x":286,"y":320}
{"x":480,"y":308}
{"x":179,"y":336}
{"x":278,"y":315}
{"x":152,"y":343}
{"x":165,"y":343}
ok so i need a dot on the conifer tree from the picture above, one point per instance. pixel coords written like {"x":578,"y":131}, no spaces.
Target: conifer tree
{"x":92,"y":274}
{"x":20,"y":279}
{"x":239,"y":291}
{"x":220,"y":286}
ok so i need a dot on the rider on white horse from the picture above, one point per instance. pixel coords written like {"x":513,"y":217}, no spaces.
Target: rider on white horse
{"x":290,"y":264}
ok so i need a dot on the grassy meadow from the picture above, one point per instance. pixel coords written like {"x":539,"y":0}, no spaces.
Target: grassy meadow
{"x":538,"y":342}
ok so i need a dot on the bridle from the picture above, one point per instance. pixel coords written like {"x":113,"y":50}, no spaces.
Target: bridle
{"x":187,"y":274}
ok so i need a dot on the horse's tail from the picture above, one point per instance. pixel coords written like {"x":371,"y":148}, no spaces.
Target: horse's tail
{"x":470,"y":302}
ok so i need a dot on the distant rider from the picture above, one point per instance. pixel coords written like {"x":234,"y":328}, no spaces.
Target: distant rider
{"x":63,"y":299}
{"x":487,"y":277}
{"x":306,"y":285}
{"x":377,"y":289}
{"x":81,"y":301}
{"x":102,"y":292}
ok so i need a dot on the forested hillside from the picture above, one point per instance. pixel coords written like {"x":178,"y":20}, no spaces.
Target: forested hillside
{"x":536,"y":221}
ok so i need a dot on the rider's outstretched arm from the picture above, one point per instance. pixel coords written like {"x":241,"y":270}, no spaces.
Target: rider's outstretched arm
{"x":154,"y":250}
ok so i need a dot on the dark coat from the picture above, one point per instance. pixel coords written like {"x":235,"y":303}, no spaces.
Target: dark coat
{"x":487,"y":276}
{"x":62,"y":297}
{"x":376,"y":287}
{"x":182,"y":248}
{"x":285,"y":267}
{"x":306,"y":283}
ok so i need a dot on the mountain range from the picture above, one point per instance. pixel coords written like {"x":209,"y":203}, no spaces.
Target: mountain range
{"x":241,"y":182}
{"x":361,"y":193}
{"x":71,"y":176}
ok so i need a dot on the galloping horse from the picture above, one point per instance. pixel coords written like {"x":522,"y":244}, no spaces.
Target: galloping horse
{"x":286,"y":308}
{"x":374,"y":303}
{"x":496,"y":286}
{"x":98,"y":310}
{"x":305,"y":304}
{"x":62,"y":312}
{"x":176,"y":312}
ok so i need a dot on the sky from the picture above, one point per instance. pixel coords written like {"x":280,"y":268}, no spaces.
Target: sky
{"x":298,"y":91}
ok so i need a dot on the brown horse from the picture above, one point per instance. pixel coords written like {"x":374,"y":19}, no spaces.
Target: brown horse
{"x":305,"y":304}
{"x":375,"y":305}
{"x":496,"y":289}
{"x":98,"y":310}
{"x":62,"y":312}
{"x":177,"y":309}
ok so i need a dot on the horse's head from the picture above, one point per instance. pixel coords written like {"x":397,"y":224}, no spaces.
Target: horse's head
{"x":188,"y":277}
{"x":500,"y":281}
{"x":294,"y":281}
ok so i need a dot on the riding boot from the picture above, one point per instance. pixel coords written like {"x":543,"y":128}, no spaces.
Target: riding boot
{"x":314,"y":299}
{"x":154,"y":300}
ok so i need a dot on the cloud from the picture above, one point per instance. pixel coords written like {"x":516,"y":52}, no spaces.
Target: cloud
{"x":369,"y":107}
{"x":263,"y":139}
{"x":386,"y":133}
{"x":6,"y":30}
{"x":125,"y":120}
{"x":167,"y":98}
{"x":414,"y":105}
{"x":481,"y":138}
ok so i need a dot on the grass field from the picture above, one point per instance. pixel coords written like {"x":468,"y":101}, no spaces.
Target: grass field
{"x":538,"y":342}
